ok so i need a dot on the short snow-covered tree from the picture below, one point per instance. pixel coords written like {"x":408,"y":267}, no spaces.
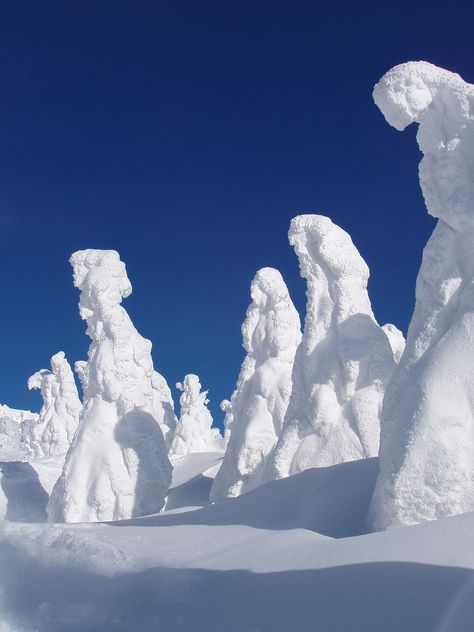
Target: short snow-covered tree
{"x":59,"y":415}
{"x":193,"y":431}
{"x":117,"y":466}
{"x":254,"y":416}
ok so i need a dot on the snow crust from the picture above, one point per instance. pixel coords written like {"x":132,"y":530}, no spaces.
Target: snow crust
{"x":193,"y":431}
{"x":271,"y":334}
{"x":59,"y":415}
{"x":117,"y":465}
{"x":427,"y":442}
{"x":344,"y":361}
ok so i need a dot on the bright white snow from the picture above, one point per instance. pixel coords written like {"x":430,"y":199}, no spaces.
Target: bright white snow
{"x":427,"y":443}
{"x":271,"y":334}
{"x":117,"y":466}
{"x":344,"y":361}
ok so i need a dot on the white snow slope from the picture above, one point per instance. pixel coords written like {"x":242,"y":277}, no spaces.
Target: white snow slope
{"x":427,"y":442}
{"x":193,"y":431}
{"x":271,"y":334}
{"x":59,"y":416}
{"x":245,"y":564}
{"x":117,"y":466}
{"x":344,"y":361}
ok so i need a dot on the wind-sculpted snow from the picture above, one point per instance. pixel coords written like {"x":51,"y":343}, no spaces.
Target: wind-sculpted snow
{"x":59,"y":416}
{"x":117,"y":466}
{"x":271,"y":334}
{"x":427,"y":442}
{"x":193,"y":430}
{"x":344,"y":361}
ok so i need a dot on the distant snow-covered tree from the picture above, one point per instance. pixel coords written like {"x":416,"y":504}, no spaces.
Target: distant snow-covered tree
{"x":59,"y":415}
{"x":193,"y":431}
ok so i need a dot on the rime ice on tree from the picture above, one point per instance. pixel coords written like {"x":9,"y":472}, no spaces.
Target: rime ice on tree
{"x":344,"y":361}
{"x":58,"y":418}
{"x":193,"y":430}
{"x":117,"y":466}
{"x":271,"y":334}
{"x":427,"y":440}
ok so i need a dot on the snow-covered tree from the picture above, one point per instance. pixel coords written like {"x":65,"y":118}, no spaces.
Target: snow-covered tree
{"x":427,"y":440}
{"x":117,"y":466}
{"x":14,"y":425}
{"x":254,"y":417}
{"x":344,"y":361}
{"x":59,"y":416}
{"x":193,"y":431}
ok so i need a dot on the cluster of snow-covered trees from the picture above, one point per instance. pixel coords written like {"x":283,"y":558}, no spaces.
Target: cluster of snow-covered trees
{"x":313,"y":398}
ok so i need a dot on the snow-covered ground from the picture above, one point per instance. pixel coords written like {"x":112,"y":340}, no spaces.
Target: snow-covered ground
{"x":289,"y":556}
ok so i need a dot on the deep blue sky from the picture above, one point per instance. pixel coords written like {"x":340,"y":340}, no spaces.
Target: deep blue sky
{"x":186,"y":136}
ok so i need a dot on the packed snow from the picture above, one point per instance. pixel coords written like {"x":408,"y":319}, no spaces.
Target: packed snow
{"x":344,"y":361}
{"x":276,"y":534}
{"x":427,"y":441}
{"x":271,"y":334}
{"x":117,"y":466}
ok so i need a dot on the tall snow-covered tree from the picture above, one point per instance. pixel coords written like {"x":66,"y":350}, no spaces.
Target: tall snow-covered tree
{"x":117,"y":466}
{"x":427,"y":440}
{"x":344,"y":361}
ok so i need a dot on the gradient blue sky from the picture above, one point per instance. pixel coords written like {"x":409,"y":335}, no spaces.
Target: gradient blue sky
{"x":186,"y":136}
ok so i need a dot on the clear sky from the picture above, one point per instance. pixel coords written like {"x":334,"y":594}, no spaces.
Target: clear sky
{"x":186,"y":135}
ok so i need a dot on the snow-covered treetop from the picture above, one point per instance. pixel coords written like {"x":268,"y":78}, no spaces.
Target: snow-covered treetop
{"x":102,"y":278}
{"x":271,"y":335}
{"x":327,"y":255}
{"x":442,"y":103}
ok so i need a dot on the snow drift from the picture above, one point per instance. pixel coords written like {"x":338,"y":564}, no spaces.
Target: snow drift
{"x":271,"y":334}
{"x":427,"y":443}
{"x":117,"y":466}
{"x":193,"y":431}
{"x":59,"y":415}
{"x":344,"y":361}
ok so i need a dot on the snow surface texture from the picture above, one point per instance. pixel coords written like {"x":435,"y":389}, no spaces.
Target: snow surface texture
{"x":257,"y":562}
{"x":193,"y":431}
{"x":344,"y":361}
{"x":59,"y":416}
{"x":271,"y":334}
{"x":427,"y":442}
{"x":117,"y":466}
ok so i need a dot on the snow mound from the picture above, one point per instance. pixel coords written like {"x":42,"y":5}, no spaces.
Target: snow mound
{"x":427,"y":442}
{"x":344,"y":361}
{"x":271,"y":334}
{"x":59,"y":416}
{"x":117,"y":465}
{"x":193,"y":431}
